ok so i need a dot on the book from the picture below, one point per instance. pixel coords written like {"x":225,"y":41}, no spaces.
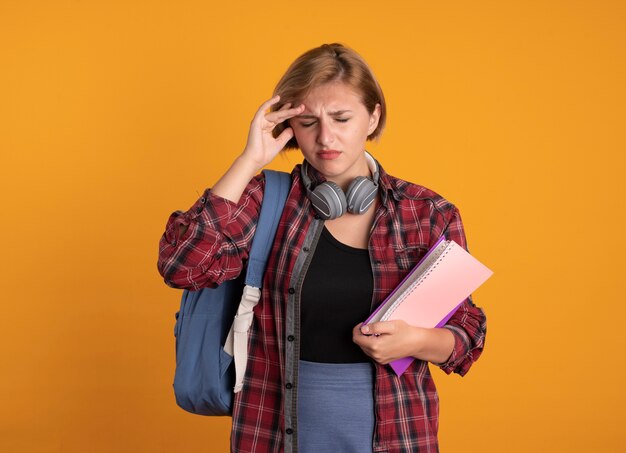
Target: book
{"x":432,"y":291}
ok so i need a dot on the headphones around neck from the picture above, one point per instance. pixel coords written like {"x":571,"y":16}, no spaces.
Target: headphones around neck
{"x":330,"y":202}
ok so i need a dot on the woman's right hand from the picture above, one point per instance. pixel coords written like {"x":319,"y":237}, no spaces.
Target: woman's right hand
{"x":260,"y":150}
{"x":262,"y":147}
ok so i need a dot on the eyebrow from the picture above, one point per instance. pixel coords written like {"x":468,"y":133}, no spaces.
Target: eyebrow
{"x":335,"y":113}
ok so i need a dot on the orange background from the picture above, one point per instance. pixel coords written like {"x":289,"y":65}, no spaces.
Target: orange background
{"x":115,"y":113}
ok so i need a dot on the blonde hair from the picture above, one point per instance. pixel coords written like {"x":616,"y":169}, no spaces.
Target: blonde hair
{"x":325,"y":64}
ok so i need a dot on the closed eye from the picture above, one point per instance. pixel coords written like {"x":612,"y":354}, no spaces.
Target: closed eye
{"x":339,"y":120}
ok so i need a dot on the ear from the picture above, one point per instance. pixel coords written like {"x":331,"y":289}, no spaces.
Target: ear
{"x":374,"y":118}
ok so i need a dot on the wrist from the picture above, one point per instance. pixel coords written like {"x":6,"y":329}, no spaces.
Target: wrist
{"x":233,"y":183}
{"x":432,"y":344}
{"x":419,"y":341}
{"x":247,"y":166}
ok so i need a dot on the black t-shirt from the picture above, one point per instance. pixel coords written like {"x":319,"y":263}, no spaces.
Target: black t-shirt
{"x":336,"y":296}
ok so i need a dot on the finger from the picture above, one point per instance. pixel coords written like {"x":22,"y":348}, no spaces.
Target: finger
{"x":379,"y":328}
{"x":266,"y":105}
{"x":363,"y":341}
{"x":284,"y":137}
{"x":270,"y":115}
{"x":280,"y":115}
{"x":285,"y":106}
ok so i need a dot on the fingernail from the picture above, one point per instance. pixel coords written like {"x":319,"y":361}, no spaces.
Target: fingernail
{"x":365,"y":329}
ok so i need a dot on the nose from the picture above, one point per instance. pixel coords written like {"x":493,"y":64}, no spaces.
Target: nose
{"x":325,"y":135}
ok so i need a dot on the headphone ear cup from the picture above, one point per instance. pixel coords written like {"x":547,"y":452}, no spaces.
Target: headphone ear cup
{"x":361,"y":194}
{"x":328,"y":200}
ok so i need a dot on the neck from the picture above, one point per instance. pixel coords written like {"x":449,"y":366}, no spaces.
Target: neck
{"x":360,"y":168}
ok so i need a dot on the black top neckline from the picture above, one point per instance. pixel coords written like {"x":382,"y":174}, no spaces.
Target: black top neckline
{"x":340,"y":245}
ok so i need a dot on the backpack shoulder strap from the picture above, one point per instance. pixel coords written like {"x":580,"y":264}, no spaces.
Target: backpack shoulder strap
{"x":277,"y":185}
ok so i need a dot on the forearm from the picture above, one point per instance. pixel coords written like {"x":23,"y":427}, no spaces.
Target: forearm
{"x":233,"y":183}
{"x":386,"y":341}
{"x":433,"y":345}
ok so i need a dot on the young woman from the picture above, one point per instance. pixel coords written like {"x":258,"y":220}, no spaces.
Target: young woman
{"x":317,"y":380}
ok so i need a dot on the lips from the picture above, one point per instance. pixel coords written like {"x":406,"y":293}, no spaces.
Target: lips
{"x":328,"y":154}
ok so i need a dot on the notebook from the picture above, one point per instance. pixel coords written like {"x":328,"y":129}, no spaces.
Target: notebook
{"x":433,"y":290}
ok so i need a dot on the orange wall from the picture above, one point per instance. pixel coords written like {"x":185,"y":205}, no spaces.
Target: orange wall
{"x":113,"y":114}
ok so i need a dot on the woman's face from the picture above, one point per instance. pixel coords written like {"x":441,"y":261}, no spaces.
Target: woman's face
{"x":332,"y":132}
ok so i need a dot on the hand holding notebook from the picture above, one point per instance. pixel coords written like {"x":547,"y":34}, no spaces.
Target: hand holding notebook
{"x":431,"y":293}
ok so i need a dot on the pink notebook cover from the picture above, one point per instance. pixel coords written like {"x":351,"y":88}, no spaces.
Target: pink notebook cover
{"x":430,"y":300}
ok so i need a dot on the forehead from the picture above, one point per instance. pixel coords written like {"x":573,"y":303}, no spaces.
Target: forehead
{"x":332,"y":94}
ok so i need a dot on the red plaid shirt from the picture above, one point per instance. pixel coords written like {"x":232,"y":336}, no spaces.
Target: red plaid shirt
{"x":409,"y":220}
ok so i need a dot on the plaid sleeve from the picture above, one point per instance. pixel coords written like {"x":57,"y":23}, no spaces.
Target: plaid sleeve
{"x":216,"y":243}
{"x":469,"y":323}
